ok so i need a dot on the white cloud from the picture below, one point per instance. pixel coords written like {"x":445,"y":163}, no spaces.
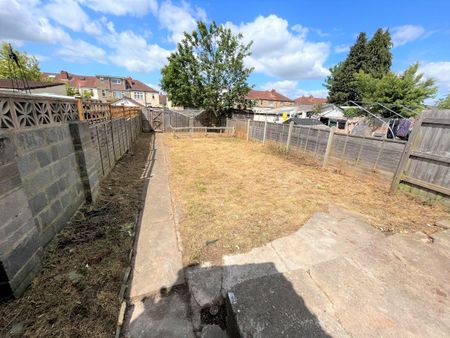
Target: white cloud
{"x":439,"y":71}
{"x":178,"y":20}
{"x":67,"y":13}
{"x":342,"y":49}
{"x":81,"y":51}
{"x":278,"y":52}
{"x":120,"y":7}
{"x":133,"y":52}
{"x":21,"y":21}
{"x":285,"y":87}
{"x":403,"y":34}
{"x":290,"y":89}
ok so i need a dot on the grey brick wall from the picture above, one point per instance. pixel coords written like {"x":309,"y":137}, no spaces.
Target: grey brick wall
{"x":20,"y":248}
{"x":50,"y":176}
{"x":46,"y":174}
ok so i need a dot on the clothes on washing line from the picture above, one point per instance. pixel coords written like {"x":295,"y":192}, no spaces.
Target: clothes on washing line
{"x":403,"y":128}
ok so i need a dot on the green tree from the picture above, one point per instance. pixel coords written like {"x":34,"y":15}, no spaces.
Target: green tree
{"x":207,"y":70}
{"x":444,"y":103}
{"x":340,"y":83}
{"x":71,"y":91}
{"x":379,"y":56}
{"x":396,"y":90}
{"x":10,"y":70}
{"x":372,"y":57}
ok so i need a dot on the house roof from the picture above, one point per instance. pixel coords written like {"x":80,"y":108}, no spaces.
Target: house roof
{"x":310,"y":100}
{"x":91,"y":81}
{"x":269,"y":95}
{"x":139,"y":86}
{"x":19,"y":84}
{"x":129,"y":99}
{"x":304,"y":122}
{"x":74,"y":80}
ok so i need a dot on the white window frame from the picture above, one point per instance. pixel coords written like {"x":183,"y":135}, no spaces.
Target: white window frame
{"x":138,"y":95}
{"x":116,"y":81}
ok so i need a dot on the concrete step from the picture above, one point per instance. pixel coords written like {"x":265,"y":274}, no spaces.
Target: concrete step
{"x":395,"y":287}
{"x":163,"y":316}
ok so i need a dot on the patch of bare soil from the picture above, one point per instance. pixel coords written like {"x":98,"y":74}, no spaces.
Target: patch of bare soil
{"x":237,"y":195}
{"x":77,"y":292}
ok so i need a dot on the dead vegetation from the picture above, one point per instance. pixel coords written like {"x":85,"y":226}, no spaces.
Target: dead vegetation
{"x":77,"y":292}
{"x":236,"y":195}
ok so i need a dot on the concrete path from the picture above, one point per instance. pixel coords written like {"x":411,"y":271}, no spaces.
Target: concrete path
{"x":157,"y":310}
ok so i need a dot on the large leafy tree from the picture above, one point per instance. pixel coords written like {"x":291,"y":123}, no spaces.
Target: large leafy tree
{"x":340,"y":83}
{"x":397,"y":91}
{"x":9,"y":69}
{"x":372,"y":57}
{"x":207,"y":70}
{"x":379,"y":56}
{"x":444,"y":103}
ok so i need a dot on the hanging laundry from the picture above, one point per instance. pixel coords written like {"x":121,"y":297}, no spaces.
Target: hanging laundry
{"x":403,"y":128}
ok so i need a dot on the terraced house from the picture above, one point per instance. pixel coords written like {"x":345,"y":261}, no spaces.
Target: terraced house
{"x":268,"y":99}
{"x":108,"y":88}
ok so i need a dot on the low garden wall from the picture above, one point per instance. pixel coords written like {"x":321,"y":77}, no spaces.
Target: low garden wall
{"x":50,"y":164}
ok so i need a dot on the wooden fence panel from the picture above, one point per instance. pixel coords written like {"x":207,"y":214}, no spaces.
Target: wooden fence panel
{"x":425,"y":162}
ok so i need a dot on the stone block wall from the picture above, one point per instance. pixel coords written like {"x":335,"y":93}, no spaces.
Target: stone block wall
{"x":46,"y":174}
{"x":20,"y":247}
{"x":50,"y":176}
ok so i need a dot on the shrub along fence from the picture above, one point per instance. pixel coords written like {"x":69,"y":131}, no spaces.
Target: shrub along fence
{"x":53,"y":155}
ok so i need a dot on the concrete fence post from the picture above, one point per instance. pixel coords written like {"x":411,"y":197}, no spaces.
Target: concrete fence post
{"x":248,"y":129}
{"x":329,"y":145}
{"x":288,"y":141}
{"x":191,"y":124}
{"x":265,"y":131}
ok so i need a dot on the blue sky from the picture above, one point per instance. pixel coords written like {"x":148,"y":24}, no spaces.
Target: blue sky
{"x":294,"y":42}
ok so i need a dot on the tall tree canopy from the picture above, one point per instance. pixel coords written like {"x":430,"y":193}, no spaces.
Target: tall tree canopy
{"x":444,"y":103}
{"x":10,"y":70}
{"x":372,"y":57}
{"x":207,"y":70}
{"x":379,"y":56}
{"x":395,"y":90}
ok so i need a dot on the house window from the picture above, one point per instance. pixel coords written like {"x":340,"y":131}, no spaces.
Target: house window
{"x":116,"y":81}
{"x":153,"y":96}
{"x":103,"y":92}
{"x":118,"y":94}
{"x":138,"y":95}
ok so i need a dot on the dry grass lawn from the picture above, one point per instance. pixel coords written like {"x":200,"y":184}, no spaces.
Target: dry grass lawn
{"x":236,"y":195}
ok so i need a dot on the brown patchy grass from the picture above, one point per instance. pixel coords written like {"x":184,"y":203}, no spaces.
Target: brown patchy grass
{"x":95,"y":247}
{"x":236,"y":195}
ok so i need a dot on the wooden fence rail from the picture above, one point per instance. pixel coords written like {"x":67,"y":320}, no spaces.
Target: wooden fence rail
{"x":326,"y":144}
{"x":422,"y":162}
